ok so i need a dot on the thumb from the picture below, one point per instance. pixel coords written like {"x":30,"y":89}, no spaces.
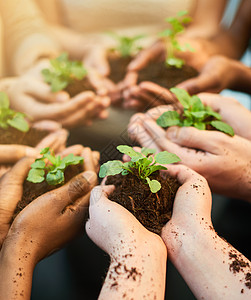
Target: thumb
{"x":192,"y":137}
{"x":198,"y":84}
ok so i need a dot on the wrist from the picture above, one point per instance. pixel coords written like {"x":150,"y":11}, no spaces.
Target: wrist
{"x":183,"y":240}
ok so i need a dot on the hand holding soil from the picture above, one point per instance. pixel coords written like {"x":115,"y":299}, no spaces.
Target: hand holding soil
{"x":138,"y":258}
{"x":224,"y":161}
{"x":196,"y":250}
{"x":29,"y":240}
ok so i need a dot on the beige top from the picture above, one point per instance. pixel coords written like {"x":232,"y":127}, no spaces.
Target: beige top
{"x":24,"y":31}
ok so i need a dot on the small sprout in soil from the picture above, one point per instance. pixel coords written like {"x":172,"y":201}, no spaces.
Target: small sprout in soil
{"x":142,"y":165}
{"x":53,"y":172}
{"x":9,"y":117}
{"x":195,"y":114}
{"x":126,"y":46}
{"x":170,"y":35}
{"x":63,"y":72}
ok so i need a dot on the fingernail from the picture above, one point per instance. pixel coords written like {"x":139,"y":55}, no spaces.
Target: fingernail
{"x":31,"y":152}
{"x":62,"y":97}
{"x":172,"y":133}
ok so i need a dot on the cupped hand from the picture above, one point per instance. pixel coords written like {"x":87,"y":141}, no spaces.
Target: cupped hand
{"x":223,"y":160}
{"x":192,"y":206}
{"x":113,"y":228}
{"x":11,"y":184}
{"x":218,"y":73}
{"x":26,"y":92}
{"x":147,"y":95}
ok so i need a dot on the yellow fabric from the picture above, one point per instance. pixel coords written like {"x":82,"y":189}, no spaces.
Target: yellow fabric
{"x":99,"y":15}
{"x":1,"y":49}
{"x":26,"y":36}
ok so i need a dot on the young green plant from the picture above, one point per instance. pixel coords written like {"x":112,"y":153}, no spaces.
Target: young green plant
{"x":142,"y":165}
{"x":177,"y":26}
{"x":195,"y":114}
{"x":126,"y":46}
{"x":52,"y":172}
{"x":9,"y":117}
{"x":63,"y":72}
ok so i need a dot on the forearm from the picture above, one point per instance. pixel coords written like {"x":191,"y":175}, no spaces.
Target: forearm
{"x":212,"y":268}
{"x":136,"y":274}
{"x":16,"y":269}
{"x":76,"y":44}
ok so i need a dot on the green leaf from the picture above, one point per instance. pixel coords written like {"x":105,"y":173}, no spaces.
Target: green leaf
{"x":169,"y":118}
{"x":196,"y":103}
{"x":38,"y":164}
{"x":45,"y":150}
{"x":55,"y":178}
{"x":223,"y":127}
{"x":71,"y":159}
{"x":154,"y":185}
{"x":155,"y":168}
{"x":182,"y":96}
{"x":36,"y":175}
{"x":187,"y":122}
{"x":175,"y":62}
{"x":4,"y":100}
{"x":182,"y":13}
{"x":19,"y":123}
{"x":165,"y":157}
{"x":130,"y":152}
{"x":147,"y":151}
{"x":199,"y":114}
{"x":200,"y":125}
{"x":166,"y":32}
{"x":111,"y":168}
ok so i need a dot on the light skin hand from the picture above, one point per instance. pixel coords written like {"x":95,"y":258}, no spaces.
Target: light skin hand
{"x":199,"y":254}
{"x":80,"y":110}
{"x":146,"y":95}
{"x":217,"y":161}
{"x":138,"y":259}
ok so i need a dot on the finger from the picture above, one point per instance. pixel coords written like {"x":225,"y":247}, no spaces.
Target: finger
{"x":98,"y":60}
{"x":145,"y":57}
{"x":202,"y":83}
{"x":96,"y":158}
{"x":47,"y":125}
{"x":130,"y":79}
{"x":76,"y":188}
{"x":188,"y":156}
{"x":75,"y":149}
{"x":156,"y":112}
{"x":11,"y":188}
{"x":98,"y":193}
{"x":97,"y":82}
{"x":138,"y":133}
{"x":10,"y":154}
{"x":54,"y":140}
{"x":161,"y":94}
{"x":194,"y":191}
{"x":192,"y":137}
{"x":88,"y":160}
{"x":42,"y":91}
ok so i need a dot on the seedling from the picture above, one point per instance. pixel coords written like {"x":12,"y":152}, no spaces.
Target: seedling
{"x":195,"y":114}
{"x":9,"y":117}
{"x":63,"y":72}
{"x":53,"y":172}
{"x":142,"y":165}
{"x":177,"y":27}
{"x":126,"y":46}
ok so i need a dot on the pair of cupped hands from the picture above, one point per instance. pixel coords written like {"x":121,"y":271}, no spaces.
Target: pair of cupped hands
{"x":53,"y":219}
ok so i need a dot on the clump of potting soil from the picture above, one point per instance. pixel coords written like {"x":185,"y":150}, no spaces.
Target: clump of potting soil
{"x":141,"y":188}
